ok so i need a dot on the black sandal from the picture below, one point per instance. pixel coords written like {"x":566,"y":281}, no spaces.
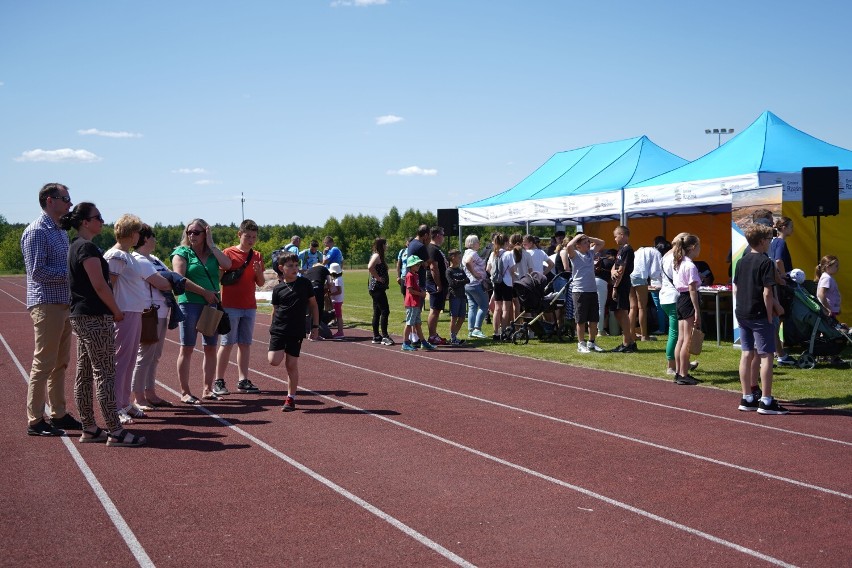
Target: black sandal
{"x":125,"y":439}
{"x":97,"y":437}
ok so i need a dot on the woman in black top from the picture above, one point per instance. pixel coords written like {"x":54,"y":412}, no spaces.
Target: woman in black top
{"x":378,"y":288}
{"x":93,"y":311}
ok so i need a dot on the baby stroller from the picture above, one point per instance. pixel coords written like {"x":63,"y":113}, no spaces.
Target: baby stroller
{"x":808,"y":325}
{"x":537,"y":298}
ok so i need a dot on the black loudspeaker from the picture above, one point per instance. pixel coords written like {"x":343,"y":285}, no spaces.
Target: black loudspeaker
{"x":820,"y":191}
{"x":449,"y":220}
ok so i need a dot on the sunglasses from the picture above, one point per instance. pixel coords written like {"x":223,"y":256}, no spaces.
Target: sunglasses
{"x":98,"y":217}
{"x":63,"y":198}
{"x":195,"y":233}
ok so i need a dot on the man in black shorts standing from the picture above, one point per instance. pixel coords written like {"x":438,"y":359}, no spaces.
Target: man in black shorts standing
{"x":621,"y":289}
{"x":436,"y":284}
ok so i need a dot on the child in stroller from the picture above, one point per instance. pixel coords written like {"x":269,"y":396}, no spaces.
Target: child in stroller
{"x":808,"y":324}
{"x":539,"y":304}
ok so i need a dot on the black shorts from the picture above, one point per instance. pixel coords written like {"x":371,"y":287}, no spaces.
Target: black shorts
{"x":585,"y":307}
{"x":622,"y":299}
{"x":437,"y":300}
{"x":290,"y":345}
{"x":685,"y":309}
{"x":503,"y":293}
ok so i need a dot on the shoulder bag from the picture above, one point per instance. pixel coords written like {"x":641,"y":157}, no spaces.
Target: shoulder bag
{"x":231,"y":277}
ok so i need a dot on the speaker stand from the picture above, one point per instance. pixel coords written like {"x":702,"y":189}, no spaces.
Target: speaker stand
{"x":818,"y":240}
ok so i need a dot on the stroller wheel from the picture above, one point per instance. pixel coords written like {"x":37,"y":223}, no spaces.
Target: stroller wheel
{"x":807,"y":361}
{"x":520,"y":337}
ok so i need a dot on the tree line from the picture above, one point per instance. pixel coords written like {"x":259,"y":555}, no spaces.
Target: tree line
{"x":353,"y":235}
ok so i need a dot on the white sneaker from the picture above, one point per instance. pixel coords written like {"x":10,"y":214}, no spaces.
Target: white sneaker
{"x":582,"y":347}
{"x":594,"y":347}
{"x":670,"y":371}
{"x":124,"y":418}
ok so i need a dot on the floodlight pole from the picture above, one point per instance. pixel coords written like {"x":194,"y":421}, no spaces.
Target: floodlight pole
{"x":718,"y":132}
{"x":243,"y":205}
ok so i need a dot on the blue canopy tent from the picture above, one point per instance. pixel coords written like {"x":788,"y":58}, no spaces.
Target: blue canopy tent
{"x":768,"y":152}
{"x":574,"y":185}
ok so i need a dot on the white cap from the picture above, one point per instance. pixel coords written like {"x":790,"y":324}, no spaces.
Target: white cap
{"x":335,"y":268}
{"x":798,"y":275}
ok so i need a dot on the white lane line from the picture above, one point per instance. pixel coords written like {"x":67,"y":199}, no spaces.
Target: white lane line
{"x":531,"y":472}
{"x":587,"y":427}
{"x":393,"y":521}
{"x":601,"y":393}
{"x":136,"y":548}
{"x":14,"y":298}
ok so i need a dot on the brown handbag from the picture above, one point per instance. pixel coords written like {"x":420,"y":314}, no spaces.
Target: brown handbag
{"x":150,"y":325}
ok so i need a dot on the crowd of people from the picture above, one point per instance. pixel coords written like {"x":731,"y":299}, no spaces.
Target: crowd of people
{"x":119,"y":304}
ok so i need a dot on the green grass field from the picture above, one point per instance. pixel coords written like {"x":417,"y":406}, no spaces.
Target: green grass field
{"x":822,"y":386}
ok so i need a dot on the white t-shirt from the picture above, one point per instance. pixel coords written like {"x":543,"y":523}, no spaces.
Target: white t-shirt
{"x":158,"y":297}
{"x":472,"y":257}
{"x":130,"y":290}
{"x":508,"y":259}
{"x":538,"y":258}
{"x":668,"y":293}
{"x":339,"y":283}
{"x":523,"y":266}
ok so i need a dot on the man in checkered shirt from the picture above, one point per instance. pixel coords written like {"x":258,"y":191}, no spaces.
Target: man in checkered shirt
{"x":45,"y":249}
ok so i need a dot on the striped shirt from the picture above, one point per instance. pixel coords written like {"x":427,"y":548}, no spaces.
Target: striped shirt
{"x":45,"y":249}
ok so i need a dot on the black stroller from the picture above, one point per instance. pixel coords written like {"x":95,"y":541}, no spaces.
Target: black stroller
{"x":537,"y":298}
{"x":808,"y":325}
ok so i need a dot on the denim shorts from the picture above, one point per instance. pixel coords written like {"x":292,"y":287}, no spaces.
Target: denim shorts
{"x":757,"y":335}
{"x":412,"y":316}
{"x":638,"y":281}
{"x":242,"y":327}
{"x":188,"y":335}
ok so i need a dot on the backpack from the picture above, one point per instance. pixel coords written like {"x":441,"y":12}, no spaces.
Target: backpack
{"x":498,"y":269}
{"x":274,"y":259}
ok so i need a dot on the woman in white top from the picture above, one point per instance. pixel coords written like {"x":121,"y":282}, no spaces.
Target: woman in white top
{"x":129,"y":281}
{"x":143,"y":385}
{"x":539,"y":261}
{"x":668,"y":302}
{"x":500,"y":265}
{"x":477,"y":299}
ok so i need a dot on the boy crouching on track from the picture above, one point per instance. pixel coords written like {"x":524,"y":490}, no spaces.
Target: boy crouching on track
{"x":290,"y":300}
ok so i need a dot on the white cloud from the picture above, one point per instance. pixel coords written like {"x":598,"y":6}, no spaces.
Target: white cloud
{"x":207,"y":182}
{"x":61,"y":155}
{"x":108,"y":133}
{"x":413,"y":171}
{"x":359,"y":3}
{"x":190,"y":171}
{"x":388,"y":119}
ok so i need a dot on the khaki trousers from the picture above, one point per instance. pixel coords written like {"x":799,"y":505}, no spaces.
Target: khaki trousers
{"x":50,"y":360}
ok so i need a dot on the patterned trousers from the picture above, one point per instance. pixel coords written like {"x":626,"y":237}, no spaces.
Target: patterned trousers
{"x":95,"y":369}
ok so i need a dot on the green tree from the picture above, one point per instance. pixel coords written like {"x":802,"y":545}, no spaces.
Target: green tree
{"x":390,"y":223}
{"x":11,"y":258}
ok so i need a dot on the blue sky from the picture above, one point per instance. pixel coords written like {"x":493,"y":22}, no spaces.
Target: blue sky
{"x":315,"y":108}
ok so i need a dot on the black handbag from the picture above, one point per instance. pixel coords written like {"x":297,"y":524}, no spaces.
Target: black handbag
{"x":231,"y":277}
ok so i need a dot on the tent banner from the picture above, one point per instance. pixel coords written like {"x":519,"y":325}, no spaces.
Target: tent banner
{"x":792,"y":183}
{"x":553,"y":208}
{"x":686,"y":194}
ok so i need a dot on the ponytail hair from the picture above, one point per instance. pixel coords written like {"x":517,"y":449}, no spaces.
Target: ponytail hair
{"x":74,"y":218}
{"x":823,"y":265}
{"x":682,"y":245}
{"x":499,"y":241}
{"x":782,"y":223}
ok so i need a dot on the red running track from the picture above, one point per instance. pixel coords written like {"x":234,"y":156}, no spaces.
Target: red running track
{"x":454,"y":457}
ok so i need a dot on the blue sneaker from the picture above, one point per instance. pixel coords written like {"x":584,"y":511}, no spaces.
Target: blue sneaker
{"x":408,"y":347}
{"x":427,"y":346}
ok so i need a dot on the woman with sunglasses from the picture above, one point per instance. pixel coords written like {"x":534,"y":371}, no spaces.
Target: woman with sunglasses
{"x":198,"y":259}
{"x":93,"y":314}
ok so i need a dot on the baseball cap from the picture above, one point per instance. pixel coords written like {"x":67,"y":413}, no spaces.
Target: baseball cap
{"x":335,"y":268}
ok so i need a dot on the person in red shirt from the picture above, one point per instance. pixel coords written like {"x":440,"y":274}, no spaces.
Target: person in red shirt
{"x":238,"y":299}
{"x":413,"y":306}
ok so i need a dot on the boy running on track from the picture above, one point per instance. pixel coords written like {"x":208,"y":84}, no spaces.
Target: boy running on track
{"x":290,"y":300}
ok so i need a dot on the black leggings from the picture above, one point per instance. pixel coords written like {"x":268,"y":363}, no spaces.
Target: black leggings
{"x":381,"y":311}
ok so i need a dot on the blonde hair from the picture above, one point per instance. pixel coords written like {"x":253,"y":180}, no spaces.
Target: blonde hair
{"x":682,"y":245}
{"x":126,"y":225}
{"x":200,"y":222}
